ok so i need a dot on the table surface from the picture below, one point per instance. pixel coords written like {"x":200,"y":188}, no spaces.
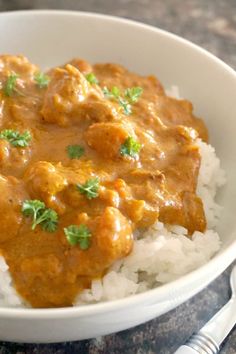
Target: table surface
{"x":212,"y":25}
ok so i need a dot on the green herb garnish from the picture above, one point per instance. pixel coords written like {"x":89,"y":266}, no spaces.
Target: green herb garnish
{"x":75,"y":151}
{"x":131,"y":95}
{"x":91,"y":78}
{"x":126,"y":106}
{"x":131,"y":147}
{"x":15,"y":138}
{"x":46,"y":217}
{"x":42,"y":80}
{"x":78,"y":235}
{"x":89,"y":188}
{"x":106,"y":92}
{"x":113,"y":93}
{"x":10,"y":85}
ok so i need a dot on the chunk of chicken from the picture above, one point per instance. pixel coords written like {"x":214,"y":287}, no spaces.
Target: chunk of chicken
{"x":111,"y":240}
{"x":186,"y":210}
{"x":107,"y":138}
{"x":18,"y":64}
{"x":13,"y":159}
{"x":67,"y":88}
{"x":12,"y":196}
{"x":113,"y":235}
{"x":98,"y":109}
{"x":70,"y":98}
{"x":138,"y":211}
{"x":82,"y":65}
{"x":44,"y":182}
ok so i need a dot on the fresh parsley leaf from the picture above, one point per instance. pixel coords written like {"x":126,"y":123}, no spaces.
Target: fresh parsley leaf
{"x":10,"y":85}
{"x":37,"y":210}
{"x":89,"y":188}
{"x":75,"y":151}
{"x":113,"y":93}
{"x":41,"y":79}
{"x":126,"y":106}
{"x":15,"y":138}
{"x":132,"y":94}
{"x":32,"y":207}
{"x":48,"y":220}
{"x":131,"y":147}
{"x":91,"y":78}
{"x":78,"y":235}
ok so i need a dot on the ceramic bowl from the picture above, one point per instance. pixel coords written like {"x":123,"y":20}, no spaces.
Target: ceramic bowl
{"x":49,"y":38}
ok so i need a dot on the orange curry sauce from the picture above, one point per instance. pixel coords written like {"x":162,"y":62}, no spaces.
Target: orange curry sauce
{"x":156,"y":183}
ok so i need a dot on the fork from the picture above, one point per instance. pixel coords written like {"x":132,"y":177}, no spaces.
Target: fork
{"x":211,"y":336}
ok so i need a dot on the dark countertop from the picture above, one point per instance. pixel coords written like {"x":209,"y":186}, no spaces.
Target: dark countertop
{"x":212,"y":25}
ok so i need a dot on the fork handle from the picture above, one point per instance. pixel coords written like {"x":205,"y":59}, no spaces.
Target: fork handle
{"x":184,"y":349}
{"x":210,"y":336}
{"x":199,"y":343}
{"x":222,"y":323}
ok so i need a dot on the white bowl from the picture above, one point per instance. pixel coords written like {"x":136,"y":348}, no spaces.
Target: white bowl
{"x":53,"y":37}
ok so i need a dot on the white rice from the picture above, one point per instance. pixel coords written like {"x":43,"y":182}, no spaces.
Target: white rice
{"x":8,"y":294}
{"x":161,"y":254}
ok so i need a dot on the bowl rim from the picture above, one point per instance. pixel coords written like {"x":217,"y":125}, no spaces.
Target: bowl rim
{"x":224,"y":258}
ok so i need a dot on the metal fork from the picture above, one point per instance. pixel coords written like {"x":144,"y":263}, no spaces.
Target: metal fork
{"x":210,"y":336}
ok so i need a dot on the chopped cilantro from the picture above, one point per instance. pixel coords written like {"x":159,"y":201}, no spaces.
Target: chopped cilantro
{"x":10,"y":84}
{"x":91,"y":78}
{"x":131,"y":147}
{"x":75,"y":151}
{"x":46,"y":217}
{"x":78,"y":235}
{"x":15,"y":138}
{"x":131,"y":96}
{"x":89,"y":188}
{"x":41,"y":79}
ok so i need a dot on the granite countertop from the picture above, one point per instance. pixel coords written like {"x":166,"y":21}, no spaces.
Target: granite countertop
{"x":212,"y":25}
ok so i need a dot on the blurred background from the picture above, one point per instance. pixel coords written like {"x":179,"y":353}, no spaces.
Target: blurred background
{"x":209,"y":23}
{"x":212,"y":25}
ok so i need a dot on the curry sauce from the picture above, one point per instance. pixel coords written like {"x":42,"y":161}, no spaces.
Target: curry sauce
{"x":88,"y":154}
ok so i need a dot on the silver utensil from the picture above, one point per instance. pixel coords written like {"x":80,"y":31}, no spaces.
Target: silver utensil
{"x":210,"y":336}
